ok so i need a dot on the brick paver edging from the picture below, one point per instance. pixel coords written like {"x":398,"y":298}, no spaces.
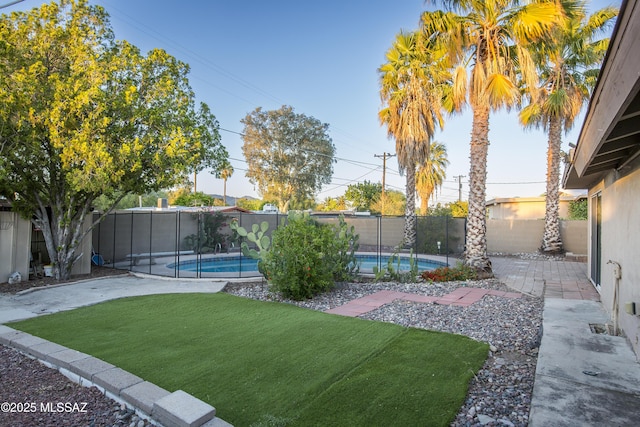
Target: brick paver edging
{"x":178,"y":409}
{"x":462,"y":297}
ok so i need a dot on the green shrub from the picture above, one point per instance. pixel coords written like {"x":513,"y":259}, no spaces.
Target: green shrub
{"x":579,"y":209}
{"x":306,"y":258}
{"x":449,"y":274}
{"x":298,"y":265}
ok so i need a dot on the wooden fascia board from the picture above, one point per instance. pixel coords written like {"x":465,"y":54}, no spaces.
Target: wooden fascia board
{"x":616,"y":88}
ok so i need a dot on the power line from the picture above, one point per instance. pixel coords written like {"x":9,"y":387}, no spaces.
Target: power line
{"x":355,"y":162}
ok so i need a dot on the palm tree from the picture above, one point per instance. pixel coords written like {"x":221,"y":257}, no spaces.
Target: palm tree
{"x":569,"y":64}
{"x":431,"y":174}
{"x":487,"y":40}
{"x":410,"y":83}
{"x":225,"y":173}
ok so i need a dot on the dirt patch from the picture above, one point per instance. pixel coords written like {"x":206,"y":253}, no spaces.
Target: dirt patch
{"x":96,"y":272}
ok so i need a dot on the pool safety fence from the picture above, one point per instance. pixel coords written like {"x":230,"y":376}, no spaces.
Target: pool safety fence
{"x":201,"y":244}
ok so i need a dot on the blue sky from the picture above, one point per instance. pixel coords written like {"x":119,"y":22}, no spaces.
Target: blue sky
{"x":321,"y":58}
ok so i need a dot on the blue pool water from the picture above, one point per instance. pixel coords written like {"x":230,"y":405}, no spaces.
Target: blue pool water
{"x":236,"y":264}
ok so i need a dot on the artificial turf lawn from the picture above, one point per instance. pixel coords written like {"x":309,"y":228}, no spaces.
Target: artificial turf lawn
{"x":269,"y":363}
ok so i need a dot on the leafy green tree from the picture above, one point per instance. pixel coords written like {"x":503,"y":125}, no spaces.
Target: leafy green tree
{"x":459,"y":209}
{"x":363,"y":194}
{"x":431,"y":174}
{"x":290,"y":156}
{"x":579,"y":209}
{"x":104,"y":203}
{"x":440,"y":210}
{"x":394,"y":203}
{"x":569,"y":64}
{"x":83,"y":115}
{"x":333,"y":204}
{"x":251,"y":204}
{"x":412,"y":89}
{"x":488,"y":41}
{"x":456,"y":209}
{"x":194,"y":199}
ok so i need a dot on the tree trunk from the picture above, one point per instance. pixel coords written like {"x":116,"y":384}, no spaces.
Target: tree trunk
{"x":424,"y":205}
{"x":63,"y":232}
{"x":476,"y":239}
{"x":551,"y":239}
{"x":410,"y":208}
{"x":224,"y":197}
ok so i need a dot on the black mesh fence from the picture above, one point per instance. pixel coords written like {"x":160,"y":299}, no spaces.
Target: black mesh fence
{"x":201,"y":244}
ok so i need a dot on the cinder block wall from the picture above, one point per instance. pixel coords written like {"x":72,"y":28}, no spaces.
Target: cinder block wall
{"x":524,"y":235}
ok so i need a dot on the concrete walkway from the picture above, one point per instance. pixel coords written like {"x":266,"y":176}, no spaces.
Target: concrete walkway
{"x":68,"y":296}
{"x":582,"y":378}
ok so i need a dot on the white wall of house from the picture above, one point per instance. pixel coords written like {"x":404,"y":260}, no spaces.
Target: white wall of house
{"x":15,"y":244}
{"x":620,"y":242}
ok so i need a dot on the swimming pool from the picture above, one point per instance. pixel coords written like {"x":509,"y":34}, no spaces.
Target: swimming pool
{"x":238,"y":264}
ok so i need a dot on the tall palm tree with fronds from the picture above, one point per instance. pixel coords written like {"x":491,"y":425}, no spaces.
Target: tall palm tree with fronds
{"x":431,"y":174}
{"x":569,"y":63}
{"x":487,"y":39}
{"x":411,"y":88}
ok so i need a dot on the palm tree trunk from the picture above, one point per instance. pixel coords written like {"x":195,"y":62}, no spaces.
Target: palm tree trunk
{"x":224,"y":197}
{"x":410,"y":208}
{"x":424,"y":205}
{"x":476,"y":241}
{"x":551,"y":239}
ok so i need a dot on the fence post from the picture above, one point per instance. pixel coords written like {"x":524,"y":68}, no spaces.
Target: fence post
{"x":176,"y":264}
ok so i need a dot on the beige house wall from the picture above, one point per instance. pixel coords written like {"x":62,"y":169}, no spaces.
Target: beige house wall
{"x":15,"y":247}
{"x":620,"y":198}
{"x":525,"y":236}
{"x":524,"y":208}
{"x":15,"y":244}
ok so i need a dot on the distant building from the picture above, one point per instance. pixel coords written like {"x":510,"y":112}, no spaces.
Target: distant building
{"x":526,"y":207}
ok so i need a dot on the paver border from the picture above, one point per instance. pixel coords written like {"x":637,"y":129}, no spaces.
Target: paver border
{"x":177,"y":409}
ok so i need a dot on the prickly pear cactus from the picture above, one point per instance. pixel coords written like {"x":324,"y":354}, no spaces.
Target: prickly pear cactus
{"x":256,"y":235}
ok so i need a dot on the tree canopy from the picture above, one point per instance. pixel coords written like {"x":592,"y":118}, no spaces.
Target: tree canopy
{"x":363,"y":195}
{"x":290,"y":156}
{"x":84,"y":115}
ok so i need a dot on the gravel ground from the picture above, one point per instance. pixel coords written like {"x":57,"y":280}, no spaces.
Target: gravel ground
{"x":500,"y":393}
{"x":32,"y":394}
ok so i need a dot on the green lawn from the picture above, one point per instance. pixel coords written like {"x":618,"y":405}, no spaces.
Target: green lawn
{"x":262,"y":363}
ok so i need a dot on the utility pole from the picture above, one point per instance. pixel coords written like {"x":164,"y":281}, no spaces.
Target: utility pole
{"x":459,"y":186}
{"x":383,"y":156}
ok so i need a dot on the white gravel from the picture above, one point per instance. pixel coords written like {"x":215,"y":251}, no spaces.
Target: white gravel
{"x":500,"y":394}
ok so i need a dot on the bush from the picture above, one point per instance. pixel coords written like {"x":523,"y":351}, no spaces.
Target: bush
{"x":306,"y":258}
{"x":579,"y":209}
{"x":449,"y":274}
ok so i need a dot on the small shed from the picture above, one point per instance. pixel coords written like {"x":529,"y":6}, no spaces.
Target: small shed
{"x":22,"y":246}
